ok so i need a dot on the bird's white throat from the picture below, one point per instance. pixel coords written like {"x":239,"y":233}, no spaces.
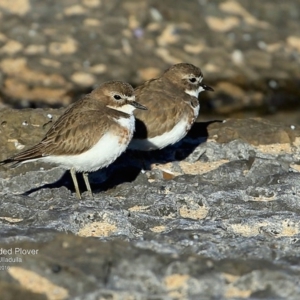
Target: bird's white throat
{"x":195,"y":93}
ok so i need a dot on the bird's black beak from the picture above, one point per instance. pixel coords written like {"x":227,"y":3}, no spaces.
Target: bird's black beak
{"x":138,"y":105}
{"x":207,"y":88}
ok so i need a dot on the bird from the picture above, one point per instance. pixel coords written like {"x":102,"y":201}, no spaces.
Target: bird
{"x":89,"y":135}
{"x":173,"y":106}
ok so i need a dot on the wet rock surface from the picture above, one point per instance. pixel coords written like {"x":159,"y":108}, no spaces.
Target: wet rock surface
{"x":51,"y":53}
{"x":215,"y":216}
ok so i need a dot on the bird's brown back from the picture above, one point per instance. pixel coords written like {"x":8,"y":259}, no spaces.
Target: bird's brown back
{"x":155,"y":121}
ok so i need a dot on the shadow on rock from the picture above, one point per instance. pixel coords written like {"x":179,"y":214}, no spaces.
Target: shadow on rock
{"x":179,"y":151}
{"x":128,"y":166}
{"x":65,"y":180}
{"x":100,"y":181}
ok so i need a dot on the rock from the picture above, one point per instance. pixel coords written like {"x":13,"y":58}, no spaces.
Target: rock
{"x":255,"y":131}
{"x":47,"y":58}
{"x":211,"y":219}
{"x":20,"y":129}
{"x":120,"y":270}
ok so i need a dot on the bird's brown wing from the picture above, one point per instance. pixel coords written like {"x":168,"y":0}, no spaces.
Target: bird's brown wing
{"x":74,"y":132}
{"x":81,"y":131}
{"x":156,"y":120}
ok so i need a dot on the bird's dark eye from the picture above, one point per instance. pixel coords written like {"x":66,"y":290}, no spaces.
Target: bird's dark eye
{"x":193,"y":79}
{"x":117,"y":97}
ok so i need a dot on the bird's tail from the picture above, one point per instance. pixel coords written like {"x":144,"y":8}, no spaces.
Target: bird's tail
{"x":6,"y":161}
{"x":14,"y":164}
{"x":27,"y":155}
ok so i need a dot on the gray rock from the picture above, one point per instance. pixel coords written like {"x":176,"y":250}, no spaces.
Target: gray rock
{"x":230,"y":231}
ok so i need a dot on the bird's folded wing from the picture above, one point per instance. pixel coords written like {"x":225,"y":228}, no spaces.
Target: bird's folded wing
{"x":70,"y":135}
{"x":164,"y":111}
{"x":79,"y":133}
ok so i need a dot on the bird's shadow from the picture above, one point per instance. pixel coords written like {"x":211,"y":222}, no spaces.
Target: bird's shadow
{"x":64,"y":180}
{"x":197,"y":135}
{"x":130,"y":164}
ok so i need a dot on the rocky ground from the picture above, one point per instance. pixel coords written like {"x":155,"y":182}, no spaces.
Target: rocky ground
{"x":213,"y":217}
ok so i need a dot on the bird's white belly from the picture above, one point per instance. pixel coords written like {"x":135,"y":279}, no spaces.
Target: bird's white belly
{"x":103,"y":153}
{"x":168,"y":138}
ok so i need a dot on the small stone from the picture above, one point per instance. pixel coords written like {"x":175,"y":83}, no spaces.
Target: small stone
{"x":91,"y":22}
{"x":222,"y":25}
{"x":92,"y":3}
{"x":68,"y":47}
{"x":18,"y":7}
{"x":35,"y":49}
{"x":98,"y":69}
{"x":11,"y":47}
{"x":74,"y":10}
{"x":294,"y":42}
{"x":84,"y":79}
{"x":149,"y":73}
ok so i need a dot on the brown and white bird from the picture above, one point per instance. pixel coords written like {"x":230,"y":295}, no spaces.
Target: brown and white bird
{"x":173,"y":106}
{"x":90,"y":134}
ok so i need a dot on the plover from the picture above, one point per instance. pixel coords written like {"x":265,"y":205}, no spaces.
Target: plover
{"x":90,"y":134}
{"x":173,"y":106}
